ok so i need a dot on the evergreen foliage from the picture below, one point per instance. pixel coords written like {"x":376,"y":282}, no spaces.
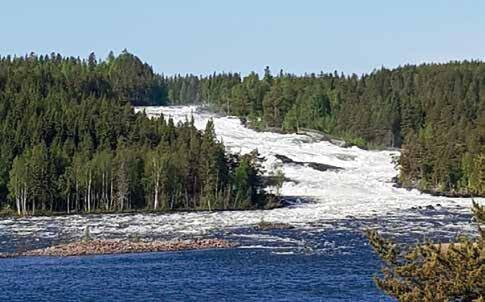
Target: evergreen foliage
{"x":71,"y":142}
{"x":434,"y":112}
{"x":434,"y":272}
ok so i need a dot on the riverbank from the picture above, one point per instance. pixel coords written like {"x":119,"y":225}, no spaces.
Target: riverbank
{"x":433,"y":192}
{"x":274,"y":202}
{"x":104,"y":247}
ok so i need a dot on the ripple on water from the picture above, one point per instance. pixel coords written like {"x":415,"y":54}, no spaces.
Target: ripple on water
{"x":324,"y":255}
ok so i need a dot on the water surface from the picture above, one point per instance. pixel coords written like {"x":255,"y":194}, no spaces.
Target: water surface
{"x":324,"y":257}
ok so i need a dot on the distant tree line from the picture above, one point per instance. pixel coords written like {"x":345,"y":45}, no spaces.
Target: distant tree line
{"x":434,"y":112}
{"x":71,"y":142}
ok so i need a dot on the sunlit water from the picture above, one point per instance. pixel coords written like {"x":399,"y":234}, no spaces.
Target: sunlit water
{"x":324,"y":257}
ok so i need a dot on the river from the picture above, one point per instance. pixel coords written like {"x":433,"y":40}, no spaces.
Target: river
{"x":324,"y":257}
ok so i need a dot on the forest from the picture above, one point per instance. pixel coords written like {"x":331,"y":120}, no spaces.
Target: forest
{"x":434,"y":112}
{"x":70,"y":142}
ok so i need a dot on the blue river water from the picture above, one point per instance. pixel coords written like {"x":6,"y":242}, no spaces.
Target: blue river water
{"x":205,"y":275}
{"x":327,"y":261}
{"x":324,"y":257}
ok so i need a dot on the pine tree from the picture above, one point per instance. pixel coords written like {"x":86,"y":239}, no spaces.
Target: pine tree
{"x":434,"y":272}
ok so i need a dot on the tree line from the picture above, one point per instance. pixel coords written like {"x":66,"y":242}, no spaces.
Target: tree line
{"x":434,"y":112}
{"x":71,"y":142}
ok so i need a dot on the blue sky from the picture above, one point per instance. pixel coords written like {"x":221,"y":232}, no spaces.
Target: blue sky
{"x":190,"y":36}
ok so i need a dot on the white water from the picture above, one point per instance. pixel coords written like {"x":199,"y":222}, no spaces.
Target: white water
{"x":362,"y":190}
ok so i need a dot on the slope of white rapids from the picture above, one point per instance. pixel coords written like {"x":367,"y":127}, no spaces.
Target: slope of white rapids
{"x":363,"y":188}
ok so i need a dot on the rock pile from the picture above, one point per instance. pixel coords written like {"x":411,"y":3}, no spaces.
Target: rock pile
{"x":101,"y":247}
{"x":264,"y":225}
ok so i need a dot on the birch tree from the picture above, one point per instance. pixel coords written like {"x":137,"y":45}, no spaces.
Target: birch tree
{"x":155,"y":174}
{"x":18,"y":184}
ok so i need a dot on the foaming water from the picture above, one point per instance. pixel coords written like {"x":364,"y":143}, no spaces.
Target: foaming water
{"x":321,"y":261}
{"x":361,"y":190}
{"x":364,"y":186}
{"x":324,"y":256}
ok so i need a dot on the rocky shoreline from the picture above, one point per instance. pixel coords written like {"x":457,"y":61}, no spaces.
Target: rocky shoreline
{"x":433,"y":192}
{"x":104,"y":247}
